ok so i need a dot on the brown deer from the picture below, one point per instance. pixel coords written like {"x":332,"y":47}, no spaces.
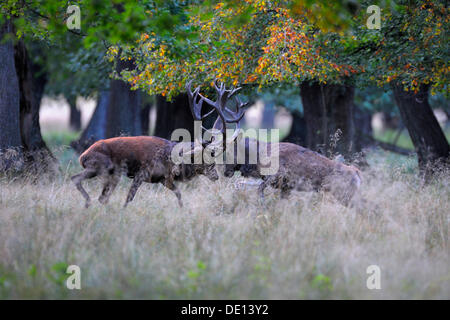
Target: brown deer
{"x":299,"y":168}
{"x":148,"y":159}
{"x":143,"y":159}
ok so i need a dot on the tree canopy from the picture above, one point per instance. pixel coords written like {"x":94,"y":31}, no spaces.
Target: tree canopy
{"x":273,"y":43}
{"x":410,"y":50}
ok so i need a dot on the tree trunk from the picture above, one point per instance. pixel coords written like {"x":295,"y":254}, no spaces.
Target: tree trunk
{"x":341,"y":127}
{"x":427,"y":136}
{"x":313,"y":101}
{"x":145,"y":118}
{"x":297,"y":134}
{"x":124,"y":109}
{"x":328,"y":113}
{"x":32,"y":82}
{"x":9,"y":103}
{"x":118,"y":113}
{"x":363,"y":128}
{"x":75,"y":114}
{"x":96,"y":128}
{"x":173,"y":115}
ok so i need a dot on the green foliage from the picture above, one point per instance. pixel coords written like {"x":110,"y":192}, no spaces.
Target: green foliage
{"x":269,"y":46}
{"x":58,"y":274}
{"x":194,"y":279}
{"x":101,"y":20}
{"x":75,"y":71}
{"x":411,"y":48}
{"x":32,"y":271}
{"x":322,"y":282}
{"x":73,"y":59}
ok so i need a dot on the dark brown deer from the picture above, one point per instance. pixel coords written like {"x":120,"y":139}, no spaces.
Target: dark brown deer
{"x":148,"y":159}
{"x":299,"y":168}
{"x":143,"y":159}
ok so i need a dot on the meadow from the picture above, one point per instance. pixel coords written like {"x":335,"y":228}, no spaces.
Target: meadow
{"x":225,"y":243}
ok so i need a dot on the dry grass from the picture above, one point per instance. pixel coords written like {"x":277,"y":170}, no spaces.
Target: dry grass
{"x":224,"y":243}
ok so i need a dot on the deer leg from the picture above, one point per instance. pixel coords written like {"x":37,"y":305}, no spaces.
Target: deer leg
{"x":77,"y":179}
{"x":168,"y":183}
{"x":108,"y":188}
{"x":137,"y":181}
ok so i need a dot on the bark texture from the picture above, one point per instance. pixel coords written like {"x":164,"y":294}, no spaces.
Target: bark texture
{"x":363,"y":128}
{"x":124,"y":107}
{"x":32,"y":81}
{"x":145,"y":118}
{"x":9,"y":102}
{"x":314,"y":111}
{"x":173,"y":115}
{"x":426,"y":134}
{"x":328,"y":113}
{"x":75,"y":114}
{"x":118,"y":113}
{"x":96,"y":128}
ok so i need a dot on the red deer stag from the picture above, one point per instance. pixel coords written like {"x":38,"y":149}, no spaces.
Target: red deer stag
{"x":144,"y":159}
{"x":299,"y":168}
{"x":148,"y":159}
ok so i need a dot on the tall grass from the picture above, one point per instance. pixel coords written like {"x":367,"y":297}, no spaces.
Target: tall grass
{"x":225,"y":243}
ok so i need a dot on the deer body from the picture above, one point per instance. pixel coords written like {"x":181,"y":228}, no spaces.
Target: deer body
{"x":300,"y":169}
{"x":144,"y":159}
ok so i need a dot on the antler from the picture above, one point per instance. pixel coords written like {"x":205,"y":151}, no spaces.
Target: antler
{"x":196,"y":107}
{"x":219,"y":105}
{"x":225,"y":115}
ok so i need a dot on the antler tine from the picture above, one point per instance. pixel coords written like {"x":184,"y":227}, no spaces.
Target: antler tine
{"x":219,"y":105}
{"x":240,"y":112}
{"x":236,"y":131}
{"x":207,"y":114}
{"x":215,"y":85}
{"x":218,"y":126}
{"x":196,"y":107}
{"x":234,"y":91}
{"x":223,"y":89}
